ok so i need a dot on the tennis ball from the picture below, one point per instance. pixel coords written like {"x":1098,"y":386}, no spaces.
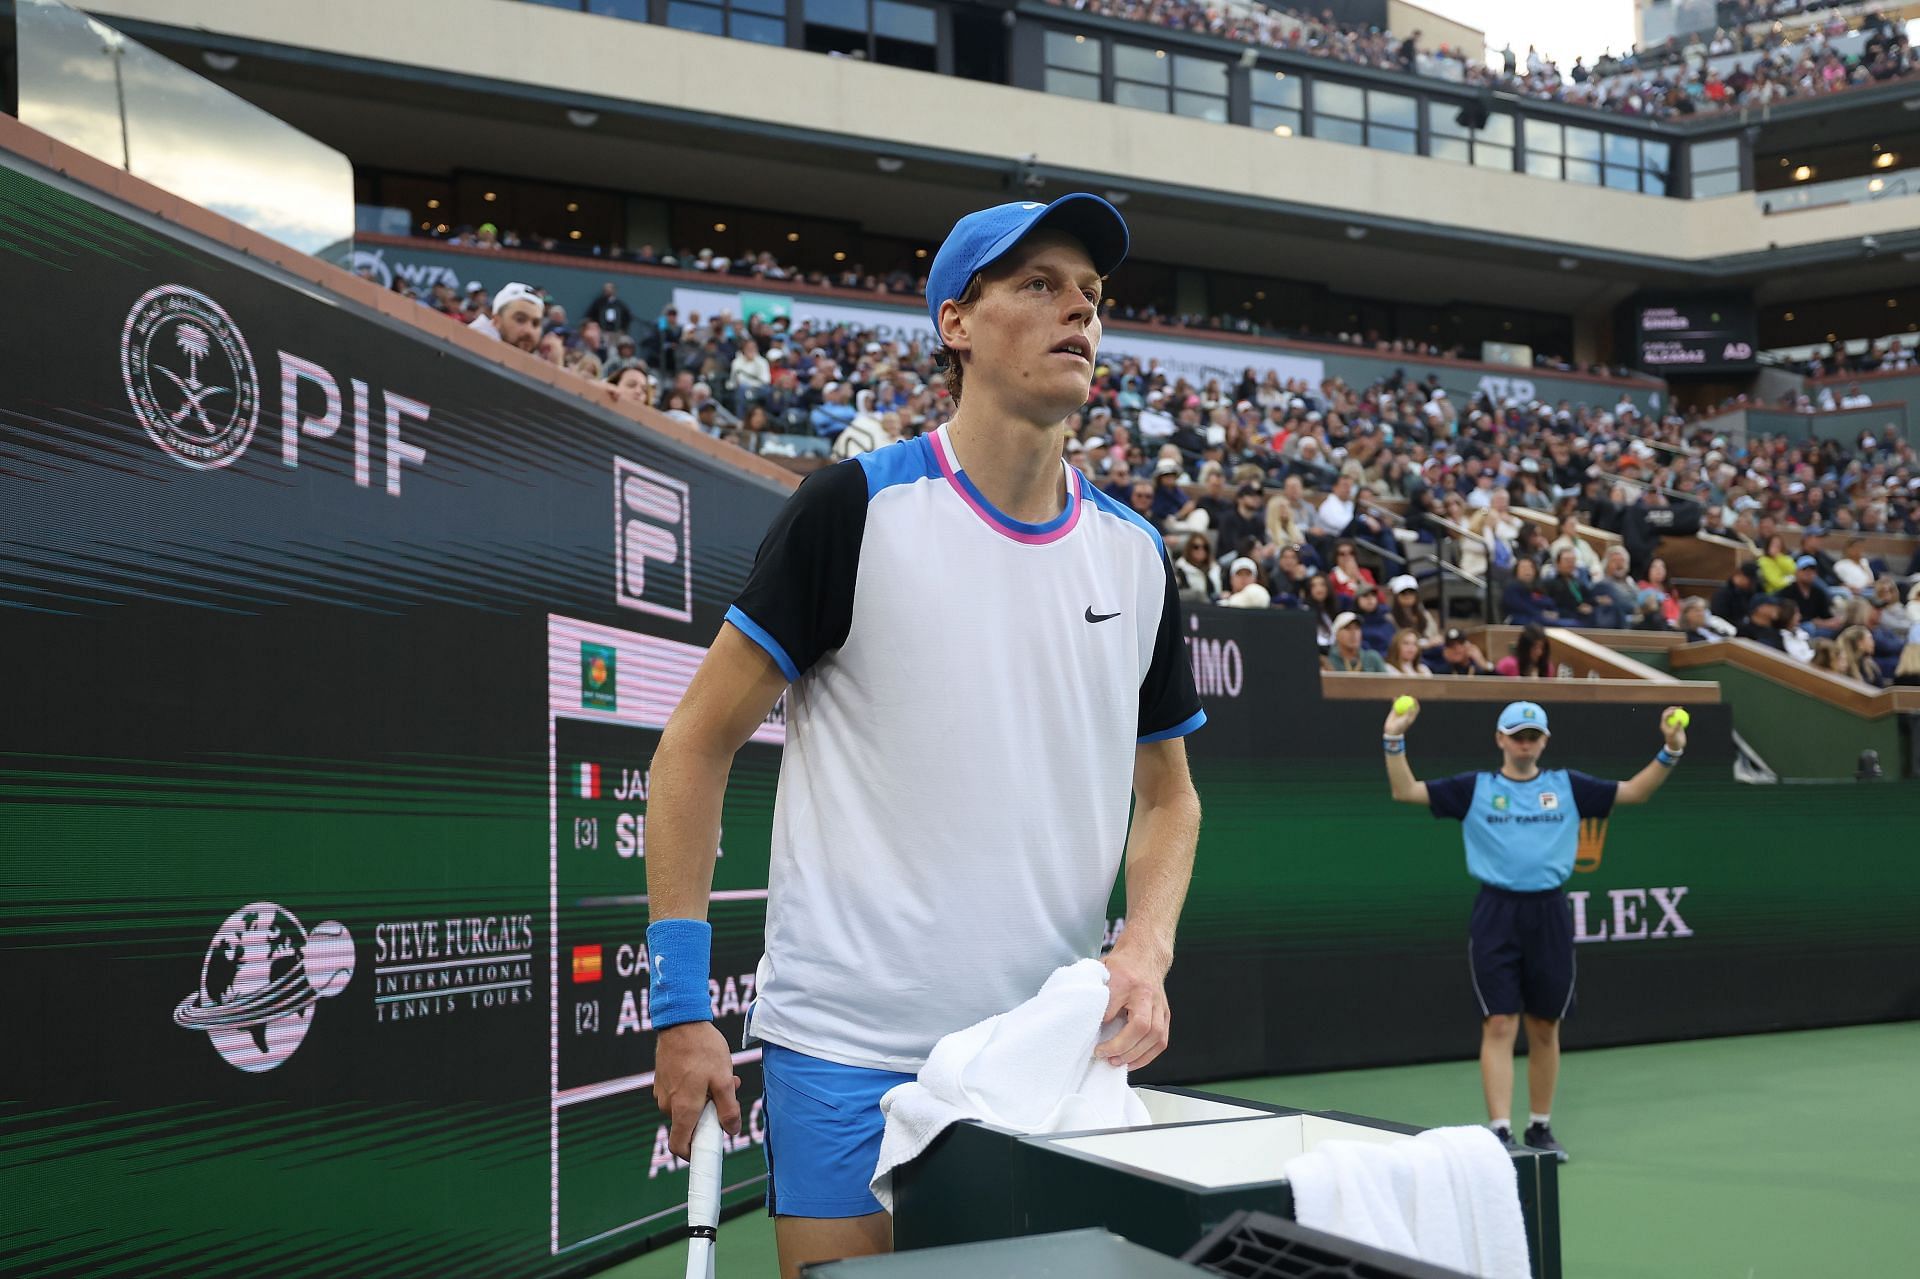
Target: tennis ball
{"x":1403,"y":704}
{"x":1679,"y":719}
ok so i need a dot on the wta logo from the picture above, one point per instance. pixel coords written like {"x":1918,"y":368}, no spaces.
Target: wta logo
{"x":189,"y":376}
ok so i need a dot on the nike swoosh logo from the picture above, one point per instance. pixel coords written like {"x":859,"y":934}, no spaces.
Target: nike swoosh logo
{"x":1098,"y":617}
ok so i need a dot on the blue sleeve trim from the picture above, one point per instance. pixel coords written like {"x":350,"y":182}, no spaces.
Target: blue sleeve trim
{"x":758,"y":634}
{"x":1185,"y":726}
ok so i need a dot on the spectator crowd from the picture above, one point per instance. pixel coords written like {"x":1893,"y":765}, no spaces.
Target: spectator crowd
{"x":1680,"y":77}
{"x":1388,"y":512}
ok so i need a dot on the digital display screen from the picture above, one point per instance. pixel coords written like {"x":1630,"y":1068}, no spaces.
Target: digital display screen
{"x":1701,"y":335}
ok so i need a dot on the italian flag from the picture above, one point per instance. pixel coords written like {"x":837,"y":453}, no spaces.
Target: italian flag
{"x":589,"y":781}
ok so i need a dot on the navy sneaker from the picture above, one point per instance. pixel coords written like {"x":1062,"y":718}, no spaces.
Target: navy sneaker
{"x":1540,"y":1137}
{"x":1504,"y":1134}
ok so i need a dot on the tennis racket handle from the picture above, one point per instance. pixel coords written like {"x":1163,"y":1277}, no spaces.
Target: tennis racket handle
{"x":703,"y":1182}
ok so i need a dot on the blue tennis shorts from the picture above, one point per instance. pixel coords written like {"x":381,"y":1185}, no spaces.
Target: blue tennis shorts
{"x":823,"y":1133}
{"x":1520,"y":952}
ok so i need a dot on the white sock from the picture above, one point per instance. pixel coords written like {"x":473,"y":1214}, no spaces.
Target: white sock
{"x":1502,"y":1124}
{"x":1536,"y":1119}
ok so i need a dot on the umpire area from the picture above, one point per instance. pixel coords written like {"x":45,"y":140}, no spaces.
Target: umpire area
{"x":1753,"y":1155}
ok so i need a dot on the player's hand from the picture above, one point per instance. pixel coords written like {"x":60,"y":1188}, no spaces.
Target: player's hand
{"x":1397,"y":725}
{"x":1136,"y":991}
{"x":690,"y":1064}
{"x":1675,"y":735}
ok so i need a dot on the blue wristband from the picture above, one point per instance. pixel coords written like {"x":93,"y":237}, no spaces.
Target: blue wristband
{"x":680,"y":952}
{"x":1666,"y":758}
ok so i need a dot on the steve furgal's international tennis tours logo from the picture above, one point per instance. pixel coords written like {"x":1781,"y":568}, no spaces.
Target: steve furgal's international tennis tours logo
{"x":260,"y":981}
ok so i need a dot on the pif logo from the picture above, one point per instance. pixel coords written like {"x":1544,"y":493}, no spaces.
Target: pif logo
{"x":189,"y":376}
{"x":652,"y":542}
{"x":599,"y":677}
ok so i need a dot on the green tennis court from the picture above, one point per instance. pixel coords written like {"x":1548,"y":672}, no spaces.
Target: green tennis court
{"x":1766,"y":1155}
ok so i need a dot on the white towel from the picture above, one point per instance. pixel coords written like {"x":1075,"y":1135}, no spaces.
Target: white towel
{"x":1448,"y":1196}
{"x":1029,"y":1070}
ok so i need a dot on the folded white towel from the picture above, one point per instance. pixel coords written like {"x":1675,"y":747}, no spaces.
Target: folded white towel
{"x":1030,"y":1070}
{"x":1448,"y":1196}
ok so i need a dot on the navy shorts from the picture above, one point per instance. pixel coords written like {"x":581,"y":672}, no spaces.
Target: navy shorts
{"x":823,"y":1133}
{"x":1520,"y":952}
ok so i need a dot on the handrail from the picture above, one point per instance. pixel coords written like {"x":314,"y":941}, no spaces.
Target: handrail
{"x":1617,"y":478}
{"x":1368,"y":686}
{"x":1838,"y":691}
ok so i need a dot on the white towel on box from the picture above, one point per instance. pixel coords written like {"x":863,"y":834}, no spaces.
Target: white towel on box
{"x":1030,"y":1070}
{"x":1448,"y":1196}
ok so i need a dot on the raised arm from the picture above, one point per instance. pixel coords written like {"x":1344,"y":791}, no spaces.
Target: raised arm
{"x":1407,"y":789}
{"x":1639,"y":788}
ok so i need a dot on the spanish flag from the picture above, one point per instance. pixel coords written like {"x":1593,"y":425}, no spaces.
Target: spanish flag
{"x":586,"y":964}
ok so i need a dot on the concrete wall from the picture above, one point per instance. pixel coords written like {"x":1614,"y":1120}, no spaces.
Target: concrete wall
{"x":659,"y":65}
{"x":1404,"y":19}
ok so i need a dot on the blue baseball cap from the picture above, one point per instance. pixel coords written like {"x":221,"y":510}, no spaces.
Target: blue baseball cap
{"x":980,"y":239}
{"x":1519,"y":715}
{"x":1806,"y":561}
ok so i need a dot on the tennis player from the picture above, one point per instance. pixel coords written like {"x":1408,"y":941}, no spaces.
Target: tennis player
{"x":1522,"y":829}
{"x":983,"y":660}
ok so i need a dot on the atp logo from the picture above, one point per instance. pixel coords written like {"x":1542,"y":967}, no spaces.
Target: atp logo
{"x":189,"y":376}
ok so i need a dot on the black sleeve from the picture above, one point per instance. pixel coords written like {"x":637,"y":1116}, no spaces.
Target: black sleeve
{"x":1169,"y":706}
{"x":1452,"y":796}
{"x":1593,"y":796}
{"x":798,"y":601}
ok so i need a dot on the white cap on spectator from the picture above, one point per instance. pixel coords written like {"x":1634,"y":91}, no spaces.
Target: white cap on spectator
{"x":1166,"y":466}
{"x":1216,"y":434}
{"x":474,"y":286}
{"x":1345,"y":620}
{"x":830,"y":388}
{"x":1099,"y":410}
{"x":1097,"y":442}
{"x":1796,"y":487}
{"x":1243,"y":406}
{"x":776,"y":353}
{"x":1313,"y":417}
{"x":517,"y":292}
{"x":1440,"y":393}
{"x":1296,"y":403}
{"x":1075,"y":446}
{"x":1404,"y":582}
{"x":1242,"y":565}
{"x":1154,"y":397}
{"x":873,"y":348}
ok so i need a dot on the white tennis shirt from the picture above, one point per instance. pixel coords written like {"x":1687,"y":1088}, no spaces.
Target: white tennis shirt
{"x":967,"y":694}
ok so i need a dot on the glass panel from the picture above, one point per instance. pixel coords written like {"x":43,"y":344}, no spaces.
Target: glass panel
{"x":1543,"y":138}
{"x":1725,"y":182}
{"x":1623,"y":150}
{"x":1076,"y":53}
{"x":1132,"y":62}
{"x":909,"y":22}
{"x":100,"y":92}
{"x":1201,"y":75}
{"x":1623,"y":179}
{"x":1499,"y":129}
{"x":1653,"y":183}
{"x":1201,"y":106}
{"x":1271,"y":118}
{"x":1393,"y":109}
{"x":751,"y":26}
{"x":1721,"y":153}
{"x":695,"y":17}
{"x":1405,"y":141}
{"x":1442,"y":118}
{"x":1654,"y":156}
{"x":773,"y":8}
{"x":1337,"y":130}
{"x":1074,"y":84}
{"x":557,"y":4}
{"x":1145,"y":96}
{"x":848,"y":14}
{"x":1454,"y":149}
{"x":1541,"y":165}
{"x":1488,"y":156}
{"x":1583,"y":144}
{"x":1585,"y":172}
{"x":1277,"y":89}
{"x":1342,"y":100}
{"x":632,"y":10}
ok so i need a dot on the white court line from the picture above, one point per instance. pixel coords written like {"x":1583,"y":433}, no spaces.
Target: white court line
{"x":627,"y":1083}
{"x":675,"y":1211}
{"x":455,"y":963}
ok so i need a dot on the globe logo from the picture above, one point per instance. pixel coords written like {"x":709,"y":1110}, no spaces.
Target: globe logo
{"x":259,"y":983}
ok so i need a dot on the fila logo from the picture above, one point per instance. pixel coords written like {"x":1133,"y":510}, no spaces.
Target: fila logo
{"x":652,"y":542}
{"x":1549,"y":800}
{"x":1629,"y":922}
